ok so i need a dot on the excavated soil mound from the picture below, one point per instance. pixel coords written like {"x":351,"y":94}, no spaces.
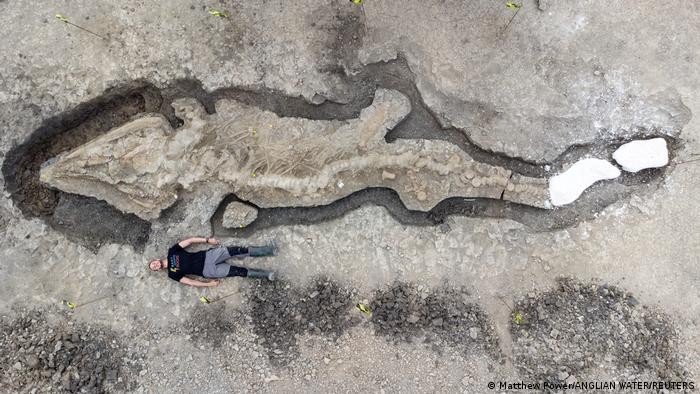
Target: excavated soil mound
{"x":36,"y":356}
{"x":580,"y":331}
{"x":442,"y":316}
{"x":281,"y":313}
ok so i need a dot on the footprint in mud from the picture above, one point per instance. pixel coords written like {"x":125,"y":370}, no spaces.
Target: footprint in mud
{"x":581,"y":331}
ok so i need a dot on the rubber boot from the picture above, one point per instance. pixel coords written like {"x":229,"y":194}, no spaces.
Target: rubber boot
{"x":260,"y":274}
{"x":259,"y":251}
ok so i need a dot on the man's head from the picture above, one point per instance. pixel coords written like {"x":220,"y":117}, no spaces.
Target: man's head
{"x":157,"y":265}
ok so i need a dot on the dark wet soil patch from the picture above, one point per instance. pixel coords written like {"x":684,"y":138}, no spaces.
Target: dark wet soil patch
{"x":442,"y":317}
{"x":566,"y":332}
{"x":119,"y":105}
{"x":344,"y":27}
{"x":60,"y":134}
{"x":587,"y":207}
{"x":281,"y":313}
{"x":273,"y":217}
{"x":93,"y":222}
{"x":63,"y":133}
{"x":66,"y":357}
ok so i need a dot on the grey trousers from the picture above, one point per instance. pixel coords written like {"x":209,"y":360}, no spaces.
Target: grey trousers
{"x":215,"y":265}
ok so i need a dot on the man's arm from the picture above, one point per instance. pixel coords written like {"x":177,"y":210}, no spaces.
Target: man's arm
{"x":199,"y":283}
{"x":197,"y":240}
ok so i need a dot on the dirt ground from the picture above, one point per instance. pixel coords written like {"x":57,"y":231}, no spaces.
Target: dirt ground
{"x":471,"y":292}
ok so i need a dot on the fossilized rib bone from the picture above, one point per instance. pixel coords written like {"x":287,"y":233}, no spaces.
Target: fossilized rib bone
{"x":273,"y":161}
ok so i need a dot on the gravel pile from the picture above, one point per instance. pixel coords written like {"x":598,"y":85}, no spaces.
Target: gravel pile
{"x":69,"y":357}
{"x":566,"y":332}
{"x":442,"y":316}
{"x":281,"y":313}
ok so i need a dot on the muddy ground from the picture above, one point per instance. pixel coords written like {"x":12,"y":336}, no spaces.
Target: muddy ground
{"x":468,"y":293}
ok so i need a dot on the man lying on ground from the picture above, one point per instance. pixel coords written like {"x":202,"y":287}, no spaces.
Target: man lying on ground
{"x":210,"y":263}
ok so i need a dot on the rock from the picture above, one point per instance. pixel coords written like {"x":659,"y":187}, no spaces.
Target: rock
{"x":111,"y":375}
{"x":571,"y":379}
{"x":566,"y":187}
{"x":238,"y":214}
{"x":119,"y":269}
{"x":66,"y":381}
{"x":17,"y":365}
{"x":32,"y":361}
{"x":445,"y":228}
{"x":641,"y":205}
{"x":542,"y":5}
{"x":473,"y":332}
{"x":386,"y":175}
{"x":562,"y":375}
{"x":639,"y":155}
{"x":271,"y":378}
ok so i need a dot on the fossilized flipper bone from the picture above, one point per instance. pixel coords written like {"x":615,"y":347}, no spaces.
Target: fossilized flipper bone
{"x":273,"y":161}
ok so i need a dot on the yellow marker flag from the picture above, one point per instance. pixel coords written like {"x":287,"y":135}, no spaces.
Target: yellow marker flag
{"x":364,"y":309}
{"x":517,"y":318}
{"x":204,"y":300}
{"x":358,"y":2}
{"x":69,"y":304}
{"x":220,"y":14}
{"x":512,"y":5}
{"x":61,"y":18}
